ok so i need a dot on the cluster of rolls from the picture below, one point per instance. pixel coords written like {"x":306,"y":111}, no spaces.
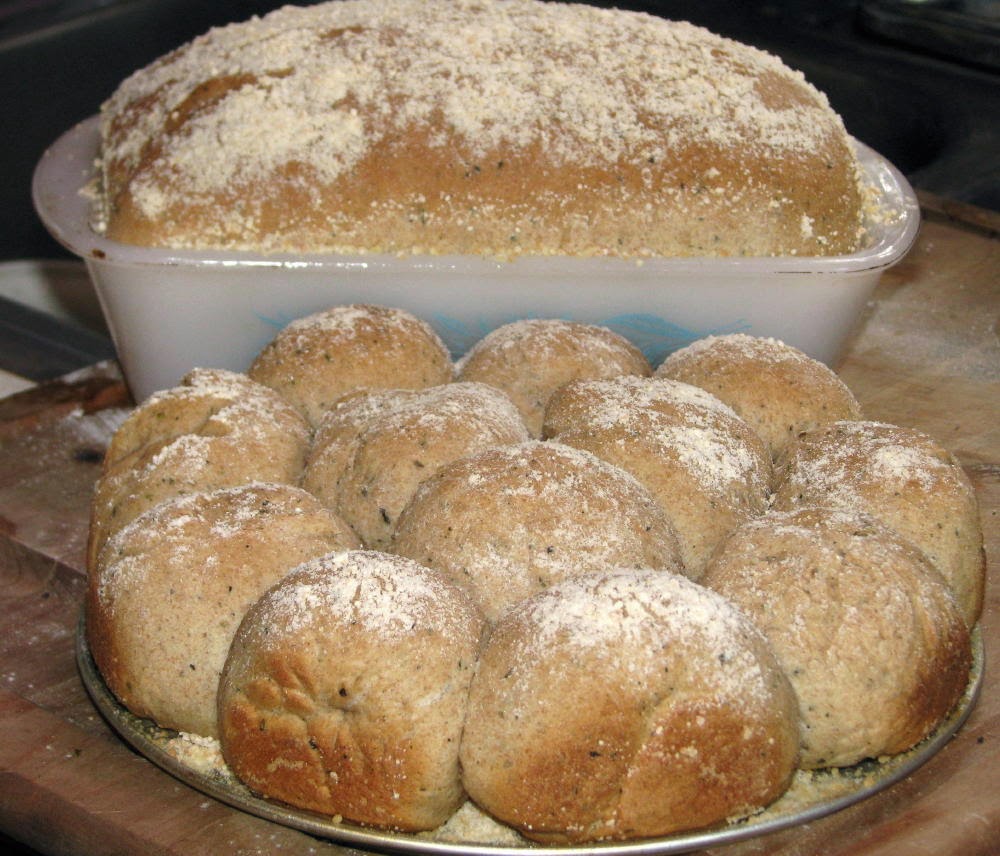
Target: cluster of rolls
{"x":601,"y":601}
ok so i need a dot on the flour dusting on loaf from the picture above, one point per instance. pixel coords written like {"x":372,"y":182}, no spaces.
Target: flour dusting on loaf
{"x":497,"y":128}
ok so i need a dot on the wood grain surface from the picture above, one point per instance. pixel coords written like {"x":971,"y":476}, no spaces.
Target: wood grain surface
{"x":926,"y":355}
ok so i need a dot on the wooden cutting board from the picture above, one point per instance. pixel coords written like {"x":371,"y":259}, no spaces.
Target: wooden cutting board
{"x":926,"y":355}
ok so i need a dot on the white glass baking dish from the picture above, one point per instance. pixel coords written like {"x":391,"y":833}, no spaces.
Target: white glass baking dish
{"x":171,"y":310}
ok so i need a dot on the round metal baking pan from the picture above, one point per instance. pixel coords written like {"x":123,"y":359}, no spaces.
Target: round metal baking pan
{"x":811,"y":795}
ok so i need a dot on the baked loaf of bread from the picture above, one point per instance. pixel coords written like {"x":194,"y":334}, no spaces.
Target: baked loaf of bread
{"x":517,"y":519}
{"x":173,"y":586}
{"x":704,"y":465}
{"x":496,"y":128}
{"x":776,"y":388}
{"x":215,"y":429}
{"x":863,"y":625}
{"x":405,"y":440}
{"x":531,"y":359}
{"x":346,"y":688}
{"x":315,"y":360}
{"x":905,"y":479}
{"x":626,"y":705}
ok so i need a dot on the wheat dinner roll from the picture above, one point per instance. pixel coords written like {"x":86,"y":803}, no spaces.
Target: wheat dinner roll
{"x":337,"y":435}
{"x":532,"y":358}
{"x":626,"y":705}
{"x":513,"y":520}
{"x":908,"y":481}
{"x":346,"y":688}
{"x":863,"y":625}
{"x":704,"y":465}
{"x":215,"y":429}
{"x":407,"y":441}
{"x":175,"y":583}
{"x":489,"y":128}
{"x":318,"y":359}
{"x":779,"y":390}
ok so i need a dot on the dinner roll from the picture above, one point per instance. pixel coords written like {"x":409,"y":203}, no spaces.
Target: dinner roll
{"x":904,"y":478}
{"x":530,"y":359}
{"x":407,"y":442}
{"x":863,"y":625}
{"x":174,"y":584}
{"x":318,"y":359}
{"x":215,"y":429}
{"x":624,"y":705}
{"x":702,"y":463}
{"x":489,"y":128}
{"x":346,"y":689}
{"x":513,"y":520}
{"x":337,"y":435}
{"x":779,"y":390}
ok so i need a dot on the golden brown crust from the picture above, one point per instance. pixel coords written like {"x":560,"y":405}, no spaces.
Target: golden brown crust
{"x":904,"y":478}
{"x":779,"y":390}
{"x":510,"y":521}
{"x":531,"y":359}
{"x":173,"y":586}
{"x":664,"y":710}
{"x":346,"y":689}
{"x":317,"y":360}
{"x":863,"y":625}
{"x":556,"y":129}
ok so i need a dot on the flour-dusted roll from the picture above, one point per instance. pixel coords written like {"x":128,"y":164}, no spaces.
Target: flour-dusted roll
{"x":406,"y":442}
{"x":510,"y":521}
{"x":530,"y":359}
{"x":703,"y":464}
{"x":864,"y":626}
{"x":337,"y":435}
{"x":904,"y":478}
{"x":346,"y":688}
{"x":625,"y":705}
{"x":779,"y":390}
{"x":316,"y":360}
{"x":173,"y":586}
{"x":489,"y":128}
{"x":215,"y":429}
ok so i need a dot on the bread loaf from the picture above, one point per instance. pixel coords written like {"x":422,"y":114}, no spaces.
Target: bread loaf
{"x":495,"y":128}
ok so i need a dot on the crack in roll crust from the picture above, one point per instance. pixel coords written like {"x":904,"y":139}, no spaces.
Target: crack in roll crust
{"x":626,"y":704}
